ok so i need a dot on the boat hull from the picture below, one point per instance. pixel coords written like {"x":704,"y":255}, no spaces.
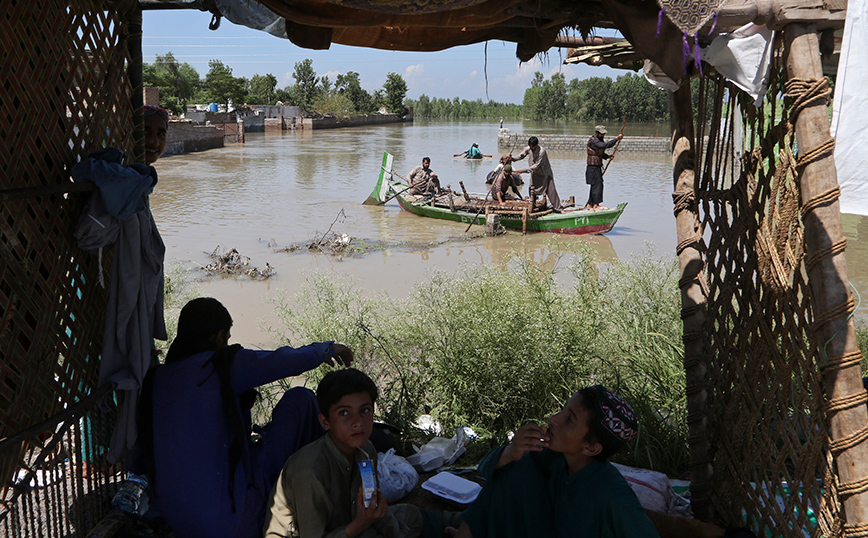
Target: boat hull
{"x":570,"y":222}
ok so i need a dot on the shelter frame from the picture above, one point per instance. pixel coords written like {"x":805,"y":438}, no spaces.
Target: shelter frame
{"x":71,"y":82}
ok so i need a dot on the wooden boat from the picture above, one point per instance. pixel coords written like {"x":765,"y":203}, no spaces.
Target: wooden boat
{"x":514,"y":214}
{"x":461,"y":156}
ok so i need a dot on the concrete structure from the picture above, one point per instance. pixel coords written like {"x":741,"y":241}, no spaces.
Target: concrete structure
{"x":186,"y":137}
{"x":647,"y":144}
{"x":353,"y":121}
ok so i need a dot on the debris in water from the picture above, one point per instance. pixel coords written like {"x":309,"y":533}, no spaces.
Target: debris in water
{"x":231,"y":263}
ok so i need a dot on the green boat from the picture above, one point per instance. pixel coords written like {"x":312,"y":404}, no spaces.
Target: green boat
{"x":514,"y":214}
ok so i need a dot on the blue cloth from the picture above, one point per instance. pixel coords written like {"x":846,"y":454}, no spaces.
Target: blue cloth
{"x":123,"y":187}
{"x":473,"y":153}
{"x":536,"y":497}
{"x":191,"y":439}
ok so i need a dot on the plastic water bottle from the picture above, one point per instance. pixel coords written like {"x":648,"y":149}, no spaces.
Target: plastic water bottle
{"x":129,"y":495}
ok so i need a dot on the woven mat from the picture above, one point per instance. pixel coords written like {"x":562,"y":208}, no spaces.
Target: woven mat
{"x":690,"y":15}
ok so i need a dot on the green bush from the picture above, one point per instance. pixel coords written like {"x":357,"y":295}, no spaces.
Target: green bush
{"x":492,"y":347}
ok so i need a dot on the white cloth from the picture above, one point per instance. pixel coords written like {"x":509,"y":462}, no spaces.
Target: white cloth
{"x":850,"y":111}
{"x":743,"y":57}
{"x":657,"y":77}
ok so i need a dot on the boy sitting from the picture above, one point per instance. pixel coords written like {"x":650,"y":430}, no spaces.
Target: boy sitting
{"x":558,"y":482}
{"x":319,"y":493}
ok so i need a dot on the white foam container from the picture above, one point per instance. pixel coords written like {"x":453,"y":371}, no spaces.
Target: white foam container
{"x":452,"y":488}
{"x":426,"y":461}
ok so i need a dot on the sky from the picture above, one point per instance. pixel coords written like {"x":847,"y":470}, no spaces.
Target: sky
{"x":457,"y":72}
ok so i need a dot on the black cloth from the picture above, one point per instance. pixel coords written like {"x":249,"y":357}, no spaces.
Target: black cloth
{"x":594,"y":178}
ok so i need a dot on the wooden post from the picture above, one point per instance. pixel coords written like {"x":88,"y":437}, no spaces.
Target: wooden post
{"x":451,"y":201}
{"x":693,"y":298}
{"x":524,"y":215}
{"x":827,"y":278}
{"x":466,"y":196}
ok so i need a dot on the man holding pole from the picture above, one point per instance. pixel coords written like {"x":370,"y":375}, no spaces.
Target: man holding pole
{"x":594,"y":173}
{"x":542,"y":179}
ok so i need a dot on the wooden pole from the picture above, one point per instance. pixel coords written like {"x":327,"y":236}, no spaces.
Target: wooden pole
{"x":693,"y":298}
{"x":466,"y":196}
{"x":829,"y":284}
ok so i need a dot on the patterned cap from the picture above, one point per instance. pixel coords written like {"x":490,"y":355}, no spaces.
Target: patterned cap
{"x":601,"y":129}
{"x":151,"y":110}
{"x":618,"y":419}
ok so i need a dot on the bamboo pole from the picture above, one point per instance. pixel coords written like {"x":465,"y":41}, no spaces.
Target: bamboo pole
{"x":829,"y":284}
{"x":135,"y":74}
{"x":693,"y":298}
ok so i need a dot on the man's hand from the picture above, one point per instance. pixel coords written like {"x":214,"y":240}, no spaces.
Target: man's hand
{"x":529,"y":438}
{"x":342,"y":355}
{"x":365,"y":517}
{"x":620,"y":136}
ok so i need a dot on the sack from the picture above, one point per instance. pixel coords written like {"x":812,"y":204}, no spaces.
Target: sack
{"x":654,"y":491}
{"x":397,"y":477}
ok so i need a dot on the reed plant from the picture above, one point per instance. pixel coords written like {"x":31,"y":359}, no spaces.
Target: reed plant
{"x":491,"y":347}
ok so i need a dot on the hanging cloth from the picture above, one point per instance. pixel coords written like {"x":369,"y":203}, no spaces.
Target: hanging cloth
{"x":134,"y":314}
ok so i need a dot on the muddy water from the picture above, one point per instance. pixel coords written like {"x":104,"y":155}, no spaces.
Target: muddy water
{"x":282,"y":188}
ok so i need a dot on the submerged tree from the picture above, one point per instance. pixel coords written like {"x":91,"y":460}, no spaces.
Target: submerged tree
{"x":221,"y":87}
{"x":395,"y":89}
{"x":350,"y":86}
{"x":305,"y":90}
{"x":261,"y":90}
{"x":177,"y":82}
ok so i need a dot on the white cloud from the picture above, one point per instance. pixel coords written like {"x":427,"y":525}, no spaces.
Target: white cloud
{"x":415,"y":77}
{"x":332,"y":75}
{"x":286,"y":80}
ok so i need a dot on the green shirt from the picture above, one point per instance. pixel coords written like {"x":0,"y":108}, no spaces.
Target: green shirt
{"x":315,"y":497}
{"x":534,"y":497}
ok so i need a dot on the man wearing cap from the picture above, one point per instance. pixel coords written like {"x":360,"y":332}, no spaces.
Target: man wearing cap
{"x":594,"y":173}
{"x":503,"y":181}
{"x":542,"y":178}
{"x":558,"y":481}
{"x":156,"y":130}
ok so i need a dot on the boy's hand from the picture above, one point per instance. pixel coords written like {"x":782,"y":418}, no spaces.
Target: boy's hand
{"x":341,"y":354}
{"x":528,"y":438}
{"x":365,"y":517}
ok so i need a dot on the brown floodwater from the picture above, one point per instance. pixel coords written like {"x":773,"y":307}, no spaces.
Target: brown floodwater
{"x":277,"y":189}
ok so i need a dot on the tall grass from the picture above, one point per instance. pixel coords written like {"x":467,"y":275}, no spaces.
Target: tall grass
{"x":492,"y":347}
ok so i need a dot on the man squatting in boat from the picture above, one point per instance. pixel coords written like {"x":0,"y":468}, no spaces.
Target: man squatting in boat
{"x":503,"y":181}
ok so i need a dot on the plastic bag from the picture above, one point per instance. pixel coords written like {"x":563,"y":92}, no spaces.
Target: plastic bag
{"x":397,"y":477}
{"x":440,"y":451}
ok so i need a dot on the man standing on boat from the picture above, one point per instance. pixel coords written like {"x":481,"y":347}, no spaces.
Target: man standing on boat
{"x":542,"y":178}
{"x":423,"y":180}
{"x":594,"y":173}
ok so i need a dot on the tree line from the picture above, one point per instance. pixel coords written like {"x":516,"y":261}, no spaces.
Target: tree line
{"x":179,"y":85}
{"x":592,"y":99}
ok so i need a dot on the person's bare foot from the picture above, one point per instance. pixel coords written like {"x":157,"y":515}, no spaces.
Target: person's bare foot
{"x":601,"y":208}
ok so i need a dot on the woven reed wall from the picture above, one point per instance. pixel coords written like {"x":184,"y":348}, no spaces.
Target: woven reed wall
{"x":64,"y":92}
{"x":767,"y":427}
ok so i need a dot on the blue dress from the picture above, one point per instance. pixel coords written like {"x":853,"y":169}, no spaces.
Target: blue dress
{"x":192,"y":437}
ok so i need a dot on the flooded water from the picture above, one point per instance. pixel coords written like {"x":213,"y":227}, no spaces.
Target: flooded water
{"x":277,"y":189}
